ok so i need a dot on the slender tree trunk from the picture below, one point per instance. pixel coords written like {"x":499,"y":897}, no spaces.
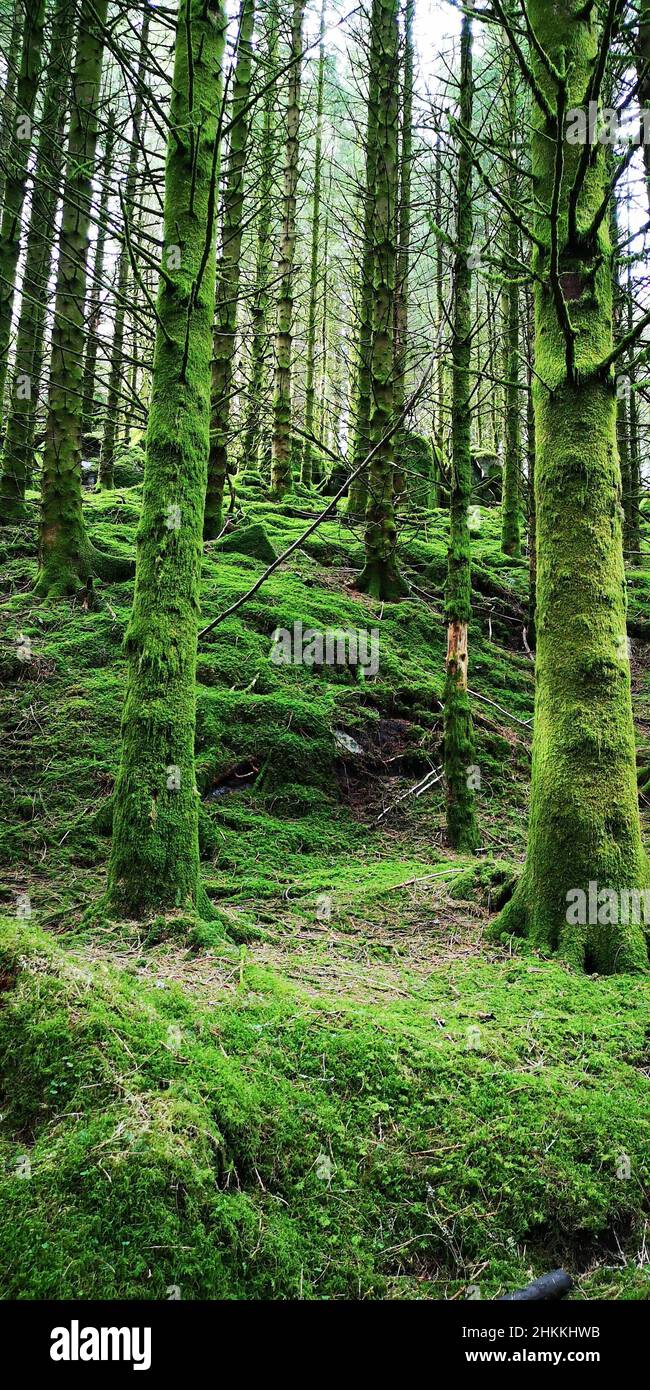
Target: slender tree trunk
{"x":261,"y":297}
{"x":440,"y":421}
{"x":154,"y":864}
{"x":281,"y":443}
{"x":310,"y":387}
{"x":95,"y":303}
{"x":532,"y":514}
{"x":7,"y":110}
{"x":511,"y":494}
{"x":18,"y":157}
{"x":17,"y":457}
{"x":228,"y":276}
{"x":584,"y":821}
{"x":64,"y":549}
{"x":459,"y":755}
{"x":380,"y":576}
{"x":643,"y":74}
{"x":404,"y":245}
{"x":107,"y":457}
{"x":633,"y":514}
{"x":358,"y":492}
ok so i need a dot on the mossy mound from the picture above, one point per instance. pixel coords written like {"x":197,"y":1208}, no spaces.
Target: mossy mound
{"x":285,"y":1145}
{"x":251,"y":541}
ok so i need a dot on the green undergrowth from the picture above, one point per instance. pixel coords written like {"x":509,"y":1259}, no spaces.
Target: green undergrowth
{"x":251,"y":1140}
{"x":335,"y":1088}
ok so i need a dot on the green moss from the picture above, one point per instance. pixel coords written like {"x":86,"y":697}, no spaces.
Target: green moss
{"x":584,"y":824}
{"x":289,"y":1146}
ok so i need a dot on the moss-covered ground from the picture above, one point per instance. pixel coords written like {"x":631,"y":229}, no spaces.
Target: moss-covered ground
{"x":337,"y":1088}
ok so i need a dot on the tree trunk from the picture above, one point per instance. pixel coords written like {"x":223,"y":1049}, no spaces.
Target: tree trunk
{"x":94,"y":306}
{"x":261,"y":297}
{"x":643,"y":74}
{"x":584,"y":820}
{"x":459,"y":756}
{"x":530,"y":447}
{"x":358,"y":492}
{"x":511,"y":494}
{"x":8,"y":97}
{"x":228,"y":276}
{"x":310,"y":386}
{"x":18,"y":157}
{"x":404,"y":248}
{"x":18,"y":451}
{"x":154,"y":863}
{"x":281,"y":443}
{"x":107,"y":457}
{"x":64,"y":549}
{"x":380,"y":576}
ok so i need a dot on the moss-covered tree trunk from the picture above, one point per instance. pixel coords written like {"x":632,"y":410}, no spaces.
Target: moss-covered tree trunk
{"x":400,"y":347}
{"x":282,"y":401}
{"x":633,"y":511}
{"x":154,"y":864}
{"x":643,"y":76}
{"x":440,"y":463}
{"x":530,"y":450}
{"x":7,"y":107}
{"x":229,"y":274}
{"x":511,"y":493}
{"x":252,"y":435}
{"x":459,"y":755}
{"x":358,"y":493}
{"x":584,"y":820}
{"x":18,"y":158}
{"x":18,"y":450}
{"x":107,"y":456}
{"x":307,"y":472}
{"x":380,"y":576}
{"x":95,"y":302}
{"x":65,"y":552}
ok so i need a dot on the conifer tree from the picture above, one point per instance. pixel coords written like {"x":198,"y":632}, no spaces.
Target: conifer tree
{"x":380,"y":576}
{"x":154,"y":863}
{"x":18,"y":157}
{"x":107,"y":456}
{"x":94,"y":302}
{"x":18,"y":450}
{"x":314,"y":287}
{"x":511,"y":497}
{"x":228,"y":274}
{"x":260,"y":314}
{"x":282,"y":401}
{"x":584,"y":820}
{"x":65,"y":552}
{"x":459,"y":756}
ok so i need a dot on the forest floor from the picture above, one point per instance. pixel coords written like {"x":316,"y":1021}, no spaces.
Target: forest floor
{"x":338,"y":1088}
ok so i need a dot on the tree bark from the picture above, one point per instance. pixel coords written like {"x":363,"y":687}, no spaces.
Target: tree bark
{"x":107,"y":456}
{"x":459,"y":754}
{"x":228,"y":276}
{"x":18,"y":450}
{"x":65,"y":552}
{"x":261,"y":298}
{"x":584,"y":820}
{"x":307,"y":472}
{"x":94,"y":303}
{"x":282,"y":403}
{"x":18,"y":157}
{"x":154,"y":863}
{"x":380,"y":576}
